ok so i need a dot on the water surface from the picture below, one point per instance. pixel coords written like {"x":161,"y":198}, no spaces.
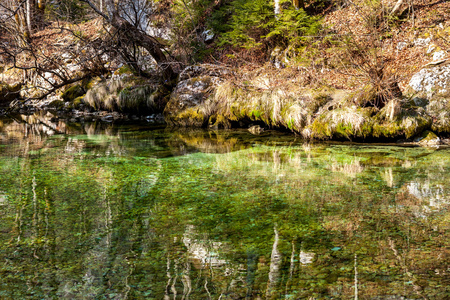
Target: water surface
{"x":135,"y":211}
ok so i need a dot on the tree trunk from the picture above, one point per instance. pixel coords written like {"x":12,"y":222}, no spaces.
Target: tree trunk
{"x":397,"y":8}
{"x":39,"y":13}
{"x":29,"y":16}
{"x":298,"y":4}
{"x":130,"y":33}
{"x":277,"y":8}
{"x":275,"y":266}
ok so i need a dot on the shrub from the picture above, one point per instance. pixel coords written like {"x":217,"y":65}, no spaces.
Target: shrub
{"x":254,"y":24}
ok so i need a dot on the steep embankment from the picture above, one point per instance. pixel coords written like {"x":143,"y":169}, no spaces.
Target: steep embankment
{"x":392,"y":83}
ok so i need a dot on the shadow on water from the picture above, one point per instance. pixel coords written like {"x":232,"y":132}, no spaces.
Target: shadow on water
{"x":135,"y":211}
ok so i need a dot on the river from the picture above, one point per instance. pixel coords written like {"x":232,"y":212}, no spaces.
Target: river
{"x":136,"y":211}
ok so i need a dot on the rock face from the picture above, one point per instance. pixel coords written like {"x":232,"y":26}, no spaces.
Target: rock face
{"x":431,"y":90}
{"x":432,"y":81}
{"x":186,"y":105}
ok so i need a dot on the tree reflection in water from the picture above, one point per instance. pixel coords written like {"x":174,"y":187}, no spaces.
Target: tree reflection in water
{"x":100,"y":211}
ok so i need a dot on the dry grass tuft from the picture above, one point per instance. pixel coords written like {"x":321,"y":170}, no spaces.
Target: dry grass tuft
{"x":121,"y":96}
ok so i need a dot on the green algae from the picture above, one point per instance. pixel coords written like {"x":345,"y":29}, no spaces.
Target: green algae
{"x":133,"y":210}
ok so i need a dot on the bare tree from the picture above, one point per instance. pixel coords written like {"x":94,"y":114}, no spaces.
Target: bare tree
{"x":130,"y":32}
{"x":43,"y":72}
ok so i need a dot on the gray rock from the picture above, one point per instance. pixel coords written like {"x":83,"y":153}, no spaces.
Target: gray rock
{"x":428,"y":138}
{"x":438,"y":55}
{"x":202,"y":70}
{"x":256,"y":129}
{"x":208,"y":35}
{"x":431,"y":81}
{"x":185,"y":105}
{"x":421,"y":42}
{"x":401,"y":46}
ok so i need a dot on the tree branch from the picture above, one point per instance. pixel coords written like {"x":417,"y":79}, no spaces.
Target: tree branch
{"x":97,"y":10}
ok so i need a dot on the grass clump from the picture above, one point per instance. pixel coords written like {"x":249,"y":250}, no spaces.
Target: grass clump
{"x":124,"y":96}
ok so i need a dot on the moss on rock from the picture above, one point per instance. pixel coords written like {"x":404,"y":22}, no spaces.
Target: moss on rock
{"x":428,"y":138}
{"x":56,"y":104}
{"x":73,"y":92}
{"x":346,"y":122}
{"x":9,"y":92}
{"x":189,"y":105}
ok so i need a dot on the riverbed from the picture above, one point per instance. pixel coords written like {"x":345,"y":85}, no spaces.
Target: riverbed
{"x":133,"y":210}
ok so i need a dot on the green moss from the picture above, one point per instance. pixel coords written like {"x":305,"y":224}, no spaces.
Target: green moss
{"x":255,"y":114}
{"x":320,"y":129}
{"x":56,"y":104}
{"x":387,"y":130}
{"x":191,"y":117}
{"x":124,"y":70}
{"x":9,"y":92}
{"x":73,"y":92}
{"x":290,"y":124}
{"x":219,"y":121}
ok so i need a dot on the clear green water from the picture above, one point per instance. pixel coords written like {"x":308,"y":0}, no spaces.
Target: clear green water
{"x":130,"y":212}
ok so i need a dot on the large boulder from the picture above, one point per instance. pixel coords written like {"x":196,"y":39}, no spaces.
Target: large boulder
{"x":186,"y":107}
{"x":73,"y":92}
{"x":430,"y":88}
{"x":432,"y":81}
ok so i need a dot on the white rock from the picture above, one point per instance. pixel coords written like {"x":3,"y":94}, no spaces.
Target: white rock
{"x":431,"y":80}
{"x":438,"y":55}
{"x":208,"y":35}
{"x":431,"y":48}
{"x":306,"y":258}
{"x":422,"y":42}
{"x":401,"y":46}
